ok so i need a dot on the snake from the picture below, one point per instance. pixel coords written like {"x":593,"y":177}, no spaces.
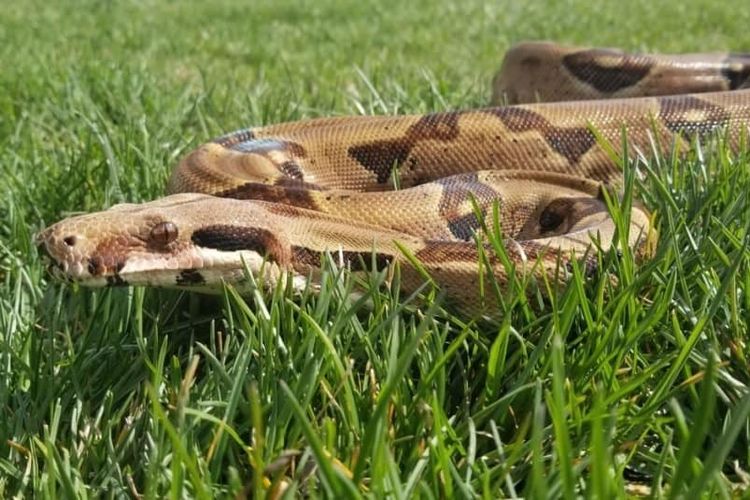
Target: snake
{"x":413,"y":193}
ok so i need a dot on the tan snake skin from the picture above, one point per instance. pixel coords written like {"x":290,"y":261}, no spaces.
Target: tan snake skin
{"x":277,"y":197}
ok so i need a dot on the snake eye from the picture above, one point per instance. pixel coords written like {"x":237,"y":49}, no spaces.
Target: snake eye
{"x":164,"y":233}
{"x":553,"y":215}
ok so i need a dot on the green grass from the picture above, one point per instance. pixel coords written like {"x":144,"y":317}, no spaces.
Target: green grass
{"x":640,"y":380}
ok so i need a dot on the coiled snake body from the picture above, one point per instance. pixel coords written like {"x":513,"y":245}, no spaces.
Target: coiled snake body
{"x":276,"y":198}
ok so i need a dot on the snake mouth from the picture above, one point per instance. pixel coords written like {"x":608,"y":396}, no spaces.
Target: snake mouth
{"x":74,"y":272}
{"x":55,"y":268}
{"x":64,"y":261}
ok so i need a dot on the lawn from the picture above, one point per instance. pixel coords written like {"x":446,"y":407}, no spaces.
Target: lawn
{"x":611,"y":387}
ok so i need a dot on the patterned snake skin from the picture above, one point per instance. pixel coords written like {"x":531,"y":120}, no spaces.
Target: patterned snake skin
{"x":276,"y":198}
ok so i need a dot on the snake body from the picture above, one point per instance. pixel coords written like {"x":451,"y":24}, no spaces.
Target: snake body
{"x":277,"y":198}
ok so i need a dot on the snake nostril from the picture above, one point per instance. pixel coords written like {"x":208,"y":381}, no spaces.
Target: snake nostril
{"x":70,"y":240}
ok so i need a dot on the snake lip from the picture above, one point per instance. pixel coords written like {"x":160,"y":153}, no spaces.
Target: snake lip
{"x":52,"y":265}
{"x":56,"y":268}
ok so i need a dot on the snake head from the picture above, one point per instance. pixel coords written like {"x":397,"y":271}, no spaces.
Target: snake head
{"x":184,"y":240}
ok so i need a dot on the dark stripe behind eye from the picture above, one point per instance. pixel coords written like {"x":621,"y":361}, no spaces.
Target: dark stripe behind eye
{"x":229,"y":238}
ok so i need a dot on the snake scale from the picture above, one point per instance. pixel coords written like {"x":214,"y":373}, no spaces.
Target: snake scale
{"x":277,"y":198}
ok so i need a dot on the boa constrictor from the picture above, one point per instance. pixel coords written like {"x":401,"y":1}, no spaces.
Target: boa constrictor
{"x":276,"y":198}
